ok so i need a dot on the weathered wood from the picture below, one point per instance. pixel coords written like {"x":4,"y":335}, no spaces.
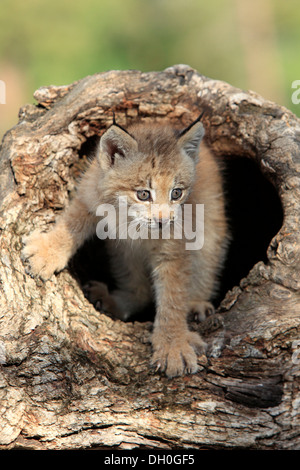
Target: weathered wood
{"x":71,"y":377}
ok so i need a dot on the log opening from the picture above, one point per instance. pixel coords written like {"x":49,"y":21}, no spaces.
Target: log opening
{"x":255,"y":216}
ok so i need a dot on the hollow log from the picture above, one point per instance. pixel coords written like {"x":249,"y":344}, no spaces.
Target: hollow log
{"x":74,"y":378}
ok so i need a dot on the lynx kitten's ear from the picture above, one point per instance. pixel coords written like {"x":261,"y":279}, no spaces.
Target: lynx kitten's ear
{"x":190,"y":139}
{"x":115,"y":143}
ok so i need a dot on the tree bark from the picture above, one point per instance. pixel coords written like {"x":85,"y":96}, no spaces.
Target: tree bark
{"x":73,"y":378}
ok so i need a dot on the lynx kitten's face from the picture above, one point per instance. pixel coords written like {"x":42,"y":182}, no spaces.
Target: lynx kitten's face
{"x":151,"y":169}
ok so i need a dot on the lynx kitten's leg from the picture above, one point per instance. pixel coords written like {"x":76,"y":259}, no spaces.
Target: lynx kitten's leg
{"x":134,"y":289}
{"x":50,"y":252}
{"x":175,"y":348}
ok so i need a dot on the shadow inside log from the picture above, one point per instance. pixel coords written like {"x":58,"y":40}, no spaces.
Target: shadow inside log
{"x":254,"y":214}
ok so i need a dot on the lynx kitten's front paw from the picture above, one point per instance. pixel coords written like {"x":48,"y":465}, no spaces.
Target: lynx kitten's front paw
{"x":45,"y":253}
{"x":178,"y":355}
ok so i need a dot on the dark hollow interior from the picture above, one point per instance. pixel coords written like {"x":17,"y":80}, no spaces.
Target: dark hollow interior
{"x":255,"y":216}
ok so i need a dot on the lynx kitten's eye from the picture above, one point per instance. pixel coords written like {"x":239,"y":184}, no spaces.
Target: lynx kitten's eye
{"x":176,"y":194}
{"x":143,"y":195}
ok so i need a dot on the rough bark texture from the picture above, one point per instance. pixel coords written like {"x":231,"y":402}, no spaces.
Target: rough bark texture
{"x":71,"y":377}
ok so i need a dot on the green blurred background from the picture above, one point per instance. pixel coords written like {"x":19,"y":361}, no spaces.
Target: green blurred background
{"x":252,"y":44}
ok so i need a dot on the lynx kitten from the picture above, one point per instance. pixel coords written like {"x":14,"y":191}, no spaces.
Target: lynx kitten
{"x":158,"y":170}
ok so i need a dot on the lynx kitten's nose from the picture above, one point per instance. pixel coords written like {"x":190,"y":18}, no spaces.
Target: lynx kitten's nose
{"x":161,"y":220}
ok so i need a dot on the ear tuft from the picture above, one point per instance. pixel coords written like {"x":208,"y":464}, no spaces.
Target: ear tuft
{"x":115,"y":143}
{"x":190,"y":139}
